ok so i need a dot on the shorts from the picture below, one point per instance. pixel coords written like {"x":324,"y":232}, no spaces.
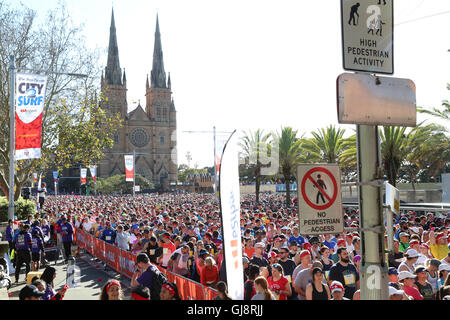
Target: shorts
{"x":36,"y":256}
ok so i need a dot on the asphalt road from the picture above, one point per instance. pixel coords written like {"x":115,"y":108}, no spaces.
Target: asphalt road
{"x":92,"y":277}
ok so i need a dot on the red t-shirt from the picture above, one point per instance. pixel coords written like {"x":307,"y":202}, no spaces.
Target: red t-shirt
{"x":279,"y":285}
{"x":249,"y":252}
{"x":413,"y":292}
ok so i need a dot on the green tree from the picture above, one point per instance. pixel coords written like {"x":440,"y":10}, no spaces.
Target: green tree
{"x":327,"y":143}
{"x":118,"y":184}
{"x":427,"y":150}
{"x":393,"y":150}
{"x":255,"y":147}
{"x":443,"y":113}
{"x":74,"y":129}
{"x":347,"y":158}
{"x":184,"y":172}
{"x":291,"y":153}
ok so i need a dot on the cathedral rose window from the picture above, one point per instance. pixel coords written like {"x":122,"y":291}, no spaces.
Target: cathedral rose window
{"x":139,"y":138}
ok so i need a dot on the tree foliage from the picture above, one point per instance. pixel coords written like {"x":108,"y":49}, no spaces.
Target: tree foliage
{"x":75,"y":130}
{"x":118,"y":184}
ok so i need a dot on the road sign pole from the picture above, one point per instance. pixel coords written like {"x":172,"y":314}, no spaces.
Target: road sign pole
{"x":373,"y":271}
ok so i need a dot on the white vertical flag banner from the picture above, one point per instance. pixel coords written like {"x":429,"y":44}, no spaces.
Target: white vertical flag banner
{"x":29,"y":106}
{"x":34,"y":177}
{"x":93,"y":171}
{"x":129,"y":168}
{"x":231,"y":212}
{"x":83,"y":175}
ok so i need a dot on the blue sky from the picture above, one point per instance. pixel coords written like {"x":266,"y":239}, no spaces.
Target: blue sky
{"x":256,"y":64}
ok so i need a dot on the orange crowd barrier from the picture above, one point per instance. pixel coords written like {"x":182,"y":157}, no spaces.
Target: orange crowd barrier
{"x":124,"y":263}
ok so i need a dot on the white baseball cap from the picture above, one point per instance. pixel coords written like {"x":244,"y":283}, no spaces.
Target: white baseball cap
{"x":260,"y":244}
{"x":405,"y":275}
{"x":412,"y":253}
{"x":393,"y":291}
{"x":444,"y":267}
{"x":414,"y":229}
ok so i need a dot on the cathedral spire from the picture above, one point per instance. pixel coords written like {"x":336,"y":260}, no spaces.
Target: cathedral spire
{"x":158,"y":75}
{"x":113,"y":73}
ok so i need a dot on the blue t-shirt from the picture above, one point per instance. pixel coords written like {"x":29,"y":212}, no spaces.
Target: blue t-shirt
{"x":9,"y":233}
{"x":109,"y":236}
{"x":146,"y":278}
{"x":46,"y":230}
{"x":36,"y":245}
{"x":300,"y":240}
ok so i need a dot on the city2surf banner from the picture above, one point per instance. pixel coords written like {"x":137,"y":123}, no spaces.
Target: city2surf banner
{"x":83,"y":175}
{"x":93,"y":171}
{"x":29,"y":106}
{"x":129,"y":168}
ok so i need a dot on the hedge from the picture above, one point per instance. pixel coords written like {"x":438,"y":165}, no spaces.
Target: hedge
{"x":22,"y":209}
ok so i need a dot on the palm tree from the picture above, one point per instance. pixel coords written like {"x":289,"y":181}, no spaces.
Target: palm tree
{"x":255,"y":146}
{"x":442,"y":114}
{"x":393,"y":150}
{"x":327,"y":143}
{"x":427,"y":147}
{"x":291,"y":154}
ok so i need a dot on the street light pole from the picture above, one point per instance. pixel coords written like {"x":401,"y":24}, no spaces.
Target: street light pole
{"x":12,"y":137}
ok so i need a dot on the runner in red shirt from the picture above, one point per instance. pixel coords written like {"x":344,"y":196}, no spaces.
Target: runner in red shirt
{"x":168,"y":248}
{"x":278,"y":283}
{"x":407,"y":278}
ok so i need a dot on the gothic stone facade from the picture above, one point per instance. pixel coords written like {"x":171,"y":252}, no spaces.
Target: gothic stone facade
{"x":151,"y":133}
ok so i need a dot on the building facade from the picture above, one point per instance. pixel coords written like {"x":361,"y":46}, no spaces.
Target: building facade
{"x":149,"y":132}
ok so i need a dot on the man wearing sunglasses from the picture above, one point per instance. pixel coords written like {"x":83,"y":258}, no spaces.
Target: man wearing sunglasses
{"x":288,"y":267}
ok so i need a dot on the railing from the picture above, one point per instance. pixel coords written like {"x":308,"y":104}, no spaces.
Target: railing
{"x":124,"y":263}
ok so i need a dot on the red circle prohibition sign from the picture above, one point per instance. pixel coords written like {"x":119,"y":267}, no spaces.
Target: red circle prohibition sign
{"x":308,"y":176}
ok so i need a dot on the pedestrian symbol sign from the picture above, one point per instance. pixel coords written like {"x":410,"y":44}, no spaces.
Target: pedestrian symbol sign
{"x":319,"y":199}
{"x":367,"y":35}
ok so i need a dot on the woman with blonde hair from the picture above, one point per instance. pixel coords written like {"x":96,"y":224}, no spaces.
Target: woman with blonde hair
{"x":262,"y":290}
{"x":209,"y":275}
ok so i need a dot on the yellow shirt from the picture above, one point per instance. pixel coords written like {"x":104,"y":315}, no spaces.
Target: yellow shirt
{"x":439,"y":251}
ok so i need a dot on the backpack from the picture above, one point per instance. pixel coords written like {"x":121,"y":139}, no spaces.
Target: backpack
{"x":158,"y":280}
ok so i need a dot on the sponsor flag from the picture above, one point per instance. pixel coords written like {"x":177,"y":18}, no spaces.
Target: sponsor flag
{"x":29,"y":106}
{"x":55,"y":176}
{"x":83,"y":175}
{"x":35,"y":177}
{"x":129,"y":168}
{"x":230,"y":212}
{"x":93,"y":171}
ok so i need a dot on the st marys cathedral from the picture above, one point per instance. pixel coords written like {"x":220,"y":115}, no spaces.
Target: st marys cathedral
{"x":150,"y":132}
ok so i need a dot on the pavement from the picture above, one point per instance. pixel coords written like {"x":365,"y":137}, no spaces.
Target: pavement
{"x":90,"y":281}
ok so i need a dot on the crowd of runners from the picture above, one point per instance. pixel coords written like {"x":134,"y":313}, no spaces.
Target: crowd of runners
{"x":181,"y":233}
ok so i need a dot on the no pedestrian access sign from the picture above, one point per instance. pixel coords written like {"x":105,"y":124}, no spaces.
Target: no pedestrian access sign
{"x":319,"y":199}
{"x":368,"y":35}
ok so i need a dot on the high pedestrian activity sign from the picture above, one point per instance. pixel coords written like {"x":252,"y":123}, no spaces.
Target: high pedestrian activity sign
{"x":367,"y":35}
{"x":319,"y":199}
